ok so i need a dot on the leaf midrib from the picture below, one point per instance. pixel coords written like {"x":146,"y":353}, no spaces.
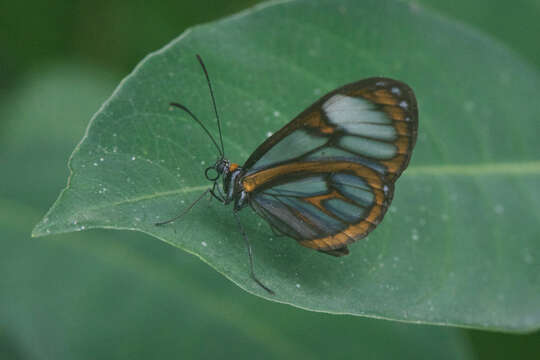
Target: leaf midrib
{"x":503,"y":168}
{"x":523,"y":168}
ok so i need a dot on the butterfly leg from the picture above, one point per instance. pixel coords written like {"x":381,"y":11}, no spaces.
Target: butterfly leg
{"x":250,"y":254}
{"x":276,"y":231}
{"x":185,"y":211}
{"x":216,"y":193}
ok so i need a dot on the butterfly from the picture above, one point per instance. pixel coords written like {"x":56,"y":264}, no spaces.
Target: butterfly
{"x":326,"y":179}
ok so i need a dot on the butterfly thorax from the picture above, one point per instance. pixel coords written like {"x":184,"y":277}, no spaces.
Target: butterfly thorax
{"x":232,"y":188}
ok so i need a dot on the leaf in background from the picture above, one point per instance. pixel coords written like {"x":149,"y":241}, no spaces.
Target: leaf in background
{"x":105,"y":294}
{"x":93,"y":295}
{"x":459,"y":245}
{"x":514,"y":23}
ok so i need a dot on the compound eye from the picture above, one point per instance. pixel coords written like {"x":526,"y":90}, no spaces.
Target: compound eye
{"x":211,"y":173}
{"x":222,"y":165}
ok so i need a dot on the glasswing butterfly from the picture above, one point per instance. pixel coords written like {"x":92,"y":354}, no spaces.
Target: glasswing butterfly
{"x":326,"y":178}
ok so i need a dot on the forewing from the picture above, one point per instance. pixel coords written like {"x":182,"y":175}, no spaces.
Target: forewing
{"x":371,"y":122}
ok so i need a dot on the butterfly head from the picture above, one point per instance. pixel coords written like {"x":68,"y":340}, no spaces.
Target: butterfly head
{"x":221,"y":167}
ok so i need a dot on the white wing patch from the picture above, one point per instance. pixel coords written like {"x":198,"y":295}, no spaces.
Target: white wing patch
{"x":370,"y":130}
{"x":371,"y":148}
{"x":375,"y":131}
{"x":345,"y":111}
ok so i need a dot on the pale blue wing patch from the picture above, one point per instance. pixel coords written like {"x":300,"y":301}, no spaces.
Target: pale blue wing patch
{"x":285,"y":206}
{"x":354,"y":188}
{"x":346,"y":211}
{"x":309,"y":186}
{"x":374,"y":131}
{"x":325,"y":224}
{"x":328,"y":152}
{"x":285,"y":213}
{"x":294,"y":145}
{"x":367,"y":147}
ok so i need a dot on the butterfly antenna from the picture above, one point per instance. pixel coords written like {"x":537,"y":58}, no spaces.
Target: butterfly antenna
{"x":213,"y":102}
{"x":185,"y":211}
{"x":180,"y":106}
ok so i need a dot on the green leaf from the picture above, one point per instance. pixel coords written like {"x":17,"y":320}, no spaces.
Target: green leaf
{"x":459,"y":245}
{"x":105,"y":294}
{"x":520,"y":30}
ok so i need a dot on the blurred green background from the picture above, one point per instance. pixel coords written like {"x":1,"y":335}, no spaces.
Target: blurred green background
{"x":104,"y":294}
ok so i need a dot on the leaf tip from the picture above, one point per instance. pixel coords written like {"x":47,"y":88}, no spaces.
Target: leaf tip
{"x":41,"y":229}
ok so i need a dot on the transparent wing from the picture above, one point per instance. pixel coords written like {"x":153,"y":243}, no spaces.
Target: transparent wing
{"x":371,"y":122}
{"x":326,"y":179}
{"x":323,"y":205}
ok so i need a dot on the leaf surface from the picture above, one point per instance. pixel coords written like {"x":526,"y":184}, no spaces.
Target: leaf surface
{"x":459,"y":245}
